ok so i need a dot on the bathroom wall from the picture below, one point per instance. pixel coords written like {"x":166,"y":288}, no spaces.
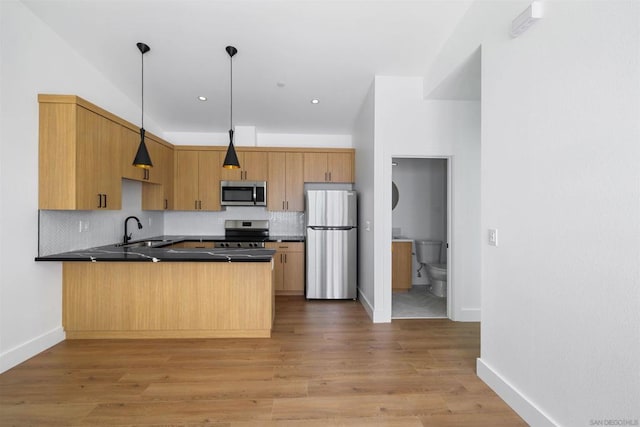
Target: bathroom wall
{"x":421,"y":212}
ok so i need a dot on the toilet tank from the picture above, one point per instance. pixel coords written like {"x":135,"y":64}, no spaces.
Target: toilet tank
{"x":428,"y":251}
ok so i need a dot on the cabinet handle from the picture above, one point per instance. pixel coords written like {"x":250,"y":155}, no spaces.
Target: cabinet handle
{"x":285,"y":258}
{"x":196,"y":204}
{"x":200,"y":204}
{"x":105,"y":201}
{"x":99,"y":200}
{"x":166,"y":204}
{"x":280,"y":258}
{"x":329,"y":176}
{"x":287,"y":205}
{"x":283,"y":205}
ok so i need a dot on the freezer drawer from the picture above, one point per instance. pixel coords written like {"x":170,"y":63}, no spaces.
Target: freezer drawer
{"x":332,"y":264}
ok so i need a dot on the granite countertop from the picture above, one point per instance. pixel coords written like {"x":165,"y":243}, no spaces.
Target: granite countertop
{"x":159,"y":251}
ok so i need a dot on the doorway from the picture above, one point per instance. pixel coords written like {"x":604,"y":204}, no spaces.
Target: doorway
{"x":421,"y":218}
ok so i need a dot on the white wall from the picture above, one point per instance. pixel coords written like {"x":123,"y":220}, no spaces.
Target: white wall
{"x":408,"y":126}
{"x":363,"y":142}
{"x":560,"y":181}
{"x":34,"y":60}
{"x":261,"y":139}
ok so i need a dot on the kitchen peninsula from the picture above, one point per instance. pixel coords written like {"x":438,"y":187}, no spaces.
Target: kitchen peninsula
{"x":160,"y":289}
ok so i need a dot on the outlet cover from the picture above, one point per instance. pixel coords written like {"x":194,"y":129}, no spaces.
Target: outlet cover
{"x":493,"y":237}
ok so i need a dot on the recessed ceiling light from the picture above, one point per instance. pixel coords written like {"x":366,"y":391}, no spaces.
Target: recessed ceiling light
{"x":202,"y":98}
{"x":315,"y":101}
{"x":281,"y":84}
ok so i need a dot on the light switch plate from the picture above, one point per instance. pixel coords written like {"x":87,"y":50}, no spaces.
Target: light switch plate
{"x":493,"y":237}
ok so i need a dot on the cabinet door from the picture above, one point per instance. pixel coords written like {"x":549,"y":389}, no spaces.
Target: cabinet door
{"x":401,"y":277}
{"x":209,"y":180}
{"x":88,"y":195}
{"x":315,"y":167}
{"x":294,"y":271}
{"x":154,"y":174}
{"x":276,"y":182}
{"x":98,"y":162}
{"x":278,"y":267}
{"x":167,"y":176}
{"x":294,"y":182}
{"x":340,"y":167}
{"x":255,"y":166}
{"x":186,"y":181}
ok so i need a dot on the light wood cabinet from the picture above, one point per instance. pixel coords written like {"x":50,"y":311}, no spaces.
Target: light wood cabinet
{"x":197,"y":180}
{"x":253,"y":167}
{"x":288,"y":267}
{"x":79,"y":157}
{"x":401,"y":266}
{"x":285,"y":189}
{"x":167,"y":299}
{"x":328,"y":167}
{"x":159,"y":196}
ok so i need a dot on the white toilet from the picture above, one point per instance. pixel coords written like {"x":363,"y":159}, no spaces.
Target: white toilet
{"x":428,"y":254}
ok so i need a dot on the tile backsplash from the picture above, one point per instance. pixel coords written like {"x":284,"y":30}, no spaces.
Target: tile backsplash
{"x":212,"y":223}
{"x":62,"y":231}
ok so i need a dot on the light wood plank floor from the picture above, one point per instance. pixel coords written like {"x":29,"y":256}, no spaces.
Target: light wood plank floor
{"x":325,"y":365}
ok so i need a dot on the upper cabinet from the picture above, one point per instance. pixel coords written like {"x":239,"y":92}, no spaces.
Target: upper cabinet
{"x":84,"y":153}
{"x":328,"y":166}
{"x":253,"y":167}
{"x":285,"y":189}
{"x":159,"y":196}
{"x":79,"y":157}
{"x":197,"y":180}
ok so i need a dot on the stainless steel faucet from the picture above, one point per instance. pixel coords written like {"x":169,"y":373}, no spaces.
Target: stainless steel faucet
{"x":127,"y":236}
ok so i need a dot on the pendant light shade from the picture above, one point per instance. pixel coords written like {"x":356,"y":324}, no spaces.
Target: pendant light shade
{"x":142,"y":159}
{"x":231,"y":159}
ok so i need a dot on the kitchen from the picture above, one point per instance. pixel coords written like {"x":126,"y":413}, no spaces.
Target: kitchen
{"x":533,"y":357}
{"x":70,"y":124}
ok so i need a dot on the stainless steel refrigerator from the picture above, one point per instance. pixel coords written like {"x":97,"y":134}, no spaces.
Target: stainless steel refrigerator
{"x":331,"y":218}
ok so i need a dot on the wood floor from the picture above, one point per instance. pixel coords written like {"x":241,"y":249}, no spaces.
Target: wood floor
{"x":325,"y":365}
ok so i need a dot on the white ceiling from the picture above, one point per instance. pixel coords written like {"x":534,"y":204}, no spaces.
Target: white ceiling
{"x":329,"y":49}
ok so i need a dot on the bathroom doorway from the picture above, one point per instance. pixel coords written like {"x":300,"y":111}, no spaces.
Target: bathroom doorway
{"x":420,"y":226}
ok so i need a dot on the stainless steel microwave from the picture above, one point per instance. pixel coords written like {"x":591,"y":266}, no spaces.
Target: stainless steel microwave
{"x":243,"y":193}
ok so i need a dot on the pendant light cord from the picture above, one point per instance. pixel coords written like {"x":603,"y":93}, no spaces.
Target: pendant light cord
{"x":231,"y":95}
{"x":142,"y":121}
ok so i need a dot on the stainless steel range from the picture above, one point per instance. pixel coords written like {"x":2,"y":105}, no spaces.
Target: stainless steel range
{"x":244,"y":234}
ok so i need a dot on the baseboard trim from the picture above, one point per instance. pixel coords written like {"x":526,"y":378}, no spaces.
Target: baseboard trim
{"x":468,"y":315}
{"x":27,"y":350}
{"x":366,"y":304}
{"x":512,"y":396}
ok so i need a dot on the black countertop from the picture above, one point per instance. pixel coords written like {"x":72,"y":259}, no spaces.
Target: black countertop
{"x":159,"y":251}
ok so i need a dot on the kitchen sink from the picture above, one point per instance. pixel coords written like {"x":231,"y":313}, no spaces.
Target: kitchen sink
{"x":153,"y":243}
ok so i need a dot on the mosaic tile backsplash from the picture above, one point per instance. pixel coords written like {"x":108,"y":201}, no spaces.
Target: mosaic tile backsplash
{"x":62,"y":231}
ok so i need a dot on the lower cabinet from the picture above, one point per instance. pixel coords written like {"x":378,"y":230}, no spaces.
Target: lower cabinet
{"x":401,"y":266}
{"x":289,"y":267}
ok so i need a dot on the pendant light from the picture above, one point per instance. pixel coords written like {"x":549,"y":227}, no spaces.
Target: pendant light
{"x":231,"y":159}
{"x":142,"y":159}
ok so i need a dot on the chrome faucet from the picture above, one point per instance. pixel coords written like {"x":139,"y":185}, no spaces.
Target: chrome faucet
{"x":127,"y":236}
